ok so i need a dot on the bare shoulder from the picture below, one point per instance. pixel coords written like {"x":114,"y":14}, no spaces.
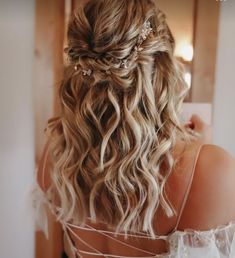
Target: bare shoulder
{"x":211,"y":199}
{"x":214,"y":161}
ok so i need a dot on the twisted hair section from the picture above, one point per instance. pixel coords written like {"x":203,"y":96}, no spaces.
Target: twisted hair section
{"x":112,"y":143}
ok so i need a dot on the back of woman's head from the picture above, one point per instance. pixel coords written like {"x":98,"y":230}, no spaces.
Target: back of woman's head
{"x":120,"y":97}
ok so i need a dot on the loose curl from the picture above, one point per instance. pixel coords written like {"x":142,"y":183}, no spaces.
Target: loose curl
{"x":112,"y":144}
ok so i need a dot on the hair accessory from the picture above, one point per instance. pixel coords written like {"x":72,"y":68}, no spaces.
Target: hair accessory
{"x":87,"y":72}
{"x":124,"y":63}
{"x":146,"y":30}
{"x":84,"y":72}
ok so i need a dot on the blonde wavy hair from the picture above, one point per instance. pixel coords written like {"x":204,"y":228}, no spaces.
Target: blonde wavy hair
{"x":111,"y":145}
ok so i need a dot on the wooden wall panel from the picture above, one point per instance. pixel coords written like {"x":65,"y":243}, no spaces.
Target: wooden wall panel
{"x":48,"y":64}
{"x":205,"y":50}
{"x":48,"y":71}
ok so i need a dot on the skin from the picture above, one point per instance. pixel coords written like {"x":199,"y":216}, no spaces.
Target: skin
{"x":210,"y":201}
{"x":199,"y":126}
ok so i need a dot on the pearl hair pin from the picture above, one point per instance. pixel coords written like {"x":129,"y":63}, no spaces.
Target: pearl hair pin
{"x":84,"y":72}
{"x":87,"y":72}
{"x":146,"y":30}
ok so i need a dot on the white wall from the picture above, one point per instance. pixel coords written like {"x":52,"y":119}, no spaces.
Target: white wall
{"x":16,"y":128}
{"x":224,"y":102}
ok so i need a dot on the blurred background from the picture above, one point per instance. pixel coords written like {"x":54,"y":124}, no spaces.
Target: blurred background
{"x":33,"y":35}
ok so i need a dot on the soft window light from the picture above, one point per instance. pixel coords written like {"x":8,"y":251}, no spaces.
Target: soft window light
{"x":185,"y":51}
{"x":188,"y":79}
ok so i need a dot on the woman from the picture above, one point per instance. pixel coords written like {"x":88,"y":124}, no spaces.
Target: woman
{"x":120,"y":172}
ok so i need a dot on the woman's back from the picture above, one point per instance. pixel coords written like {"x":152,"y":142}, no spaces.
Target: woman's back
{"x":178,"y":184}
{"x":203,"y":201}
{"x":113,"y":147}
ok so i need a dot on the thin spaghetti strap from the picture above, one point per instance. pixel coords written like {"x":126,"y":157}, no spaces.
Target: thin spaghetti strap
{"x":188,"y":187}
{"x":89,"y":228}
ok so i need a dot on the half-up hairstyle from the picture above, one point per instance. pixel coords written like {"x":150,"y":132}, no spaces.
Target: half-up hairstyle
{"x":111,"y":145}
